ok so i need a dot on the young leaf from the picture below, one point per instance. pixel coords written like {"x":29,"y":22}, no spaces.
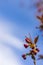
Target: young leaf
{"x":40,"y":18}
{"x":36,"y":39}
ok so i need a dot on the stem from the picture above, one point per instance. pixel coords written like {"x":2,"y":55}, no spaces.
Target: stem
{"x":34,"y":62}
{"x":27,"y":54}
{"x":34,"y":59}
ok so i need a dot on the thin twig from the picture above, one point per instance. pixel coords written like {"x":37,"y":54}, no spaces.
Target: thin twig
{"x":35,"y":62}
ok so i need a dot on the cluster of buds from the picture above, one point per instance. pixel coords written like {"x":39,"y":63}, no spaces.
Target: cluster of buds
{"x":41,"y":22}
{"x":40,"y":10}
{"x":34,"y":50}
{"x":40,"y":6}
{"x":30,"y":43}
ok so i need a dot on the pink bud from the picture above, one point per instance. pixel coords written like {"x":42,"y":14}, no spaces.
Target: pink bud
{"x":27,"y":40}
{"x":26,"y":45}
{"x":39,"y":10}
{"x":24,"y":56}
{"x":33,"y":52}
{"x":37,"y":49}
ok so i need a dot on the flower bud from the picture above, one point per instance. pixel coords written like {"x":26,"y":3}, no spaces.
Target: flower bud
{"x":24,"y":56}
{"x":27,"y":40}
{"x":37,"y":49}
{"x":34,"y":52}
{"x":26,"y":45}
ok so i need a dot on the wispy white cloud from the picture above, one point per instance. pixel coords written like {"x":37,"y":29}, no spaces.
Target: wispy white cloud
{"x":7,"y":57}
{"x":8,"y":39}
{"x":6,"y":36}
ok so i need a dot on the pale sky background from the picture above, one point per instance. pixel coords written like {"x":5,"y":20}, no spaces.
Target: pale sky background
{"x":17,"y":19}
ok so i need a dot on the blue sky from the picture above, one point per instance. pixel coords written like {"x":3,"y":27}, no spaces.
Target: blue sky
{"x":17,"y":20}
